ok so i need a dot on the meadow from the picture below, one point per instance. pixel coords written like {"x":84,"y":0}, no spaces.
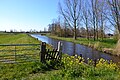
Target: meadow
{"x":70,"y":67}
{"x":16,"y":38}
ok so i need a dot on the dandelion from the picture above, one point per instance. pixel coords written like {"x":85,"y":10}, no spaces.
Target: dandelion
{"x":80,"y":63}
{"x":87,"y":58}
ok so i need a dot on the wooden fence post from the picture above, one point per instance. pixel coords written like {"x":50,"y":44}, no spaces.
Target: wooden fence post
{"x":81,"y":57}
{"x":15,"y":53}
{"x":59,"y":49}
{"x":95,"y":62}
{"x":43,"y":52}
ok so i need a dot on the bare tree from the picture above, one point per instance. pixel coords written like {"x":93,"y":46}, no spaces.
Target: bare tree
{"x":85,"y":16}
{"x":102,"y":16}
{"x":94,"y":12}
{"x":93,"y":16}
{"x":96,"y":16}
{"x":71,"y":12}
{"x":65,"y":28}
{"x":115,"y":13}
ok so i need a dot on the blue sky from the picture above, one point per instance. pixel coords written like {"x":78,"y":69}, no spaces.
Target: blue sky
{"x":27,"y":14}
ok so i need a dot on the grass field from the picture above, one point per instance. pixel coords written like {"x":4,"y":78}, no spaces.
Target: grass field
{"x":21,"y":70}
{"x":12,"y":38}
{"x":98,"y":44}
{"x":18,"y":53}
{"x":70,"y":68}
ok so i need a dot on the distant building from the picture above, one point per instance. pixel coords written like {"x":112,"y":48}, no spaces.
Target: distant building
{"x":109,"y":35}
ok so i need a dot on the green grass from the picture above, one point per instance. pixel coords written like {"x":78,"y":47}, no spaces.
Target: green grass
{"x":72,"y":69}
{"x":98,"y":44}
{"x":68,"y":69}
{"x":19,"y":71}
{"x":15,"y":38}
{"x":12,"y":38}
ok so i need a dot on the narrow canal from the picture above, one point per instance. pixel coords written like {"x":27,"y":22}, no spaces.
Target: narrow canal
{"x":72,"y":48}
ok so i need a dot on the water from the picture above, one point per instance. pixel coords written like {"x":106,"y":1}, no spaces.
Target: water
{"x":72,"y":48}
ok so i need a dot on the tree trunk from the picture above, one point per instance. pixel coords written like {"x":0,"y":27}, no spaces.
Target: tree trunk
{"x":75,"y":35}
{"x":97,"y":30}
{"x":102,"y":33}
{"x":87,"y":34}
{"x":87,"y":30}
{"x":118,"y":27}
{"x":94,"y":34}
{"x":94,"y":21}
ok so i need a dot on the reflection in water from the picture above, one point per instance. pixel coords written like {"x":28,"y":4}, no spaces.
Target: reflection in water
{"x":72,"y":48}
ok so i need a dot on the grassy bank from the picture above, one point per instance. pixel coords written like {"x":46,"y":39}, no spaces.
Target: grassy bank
{"x":20,"y":71}
{"x":101,"y":45}
{"x":70,"y":68}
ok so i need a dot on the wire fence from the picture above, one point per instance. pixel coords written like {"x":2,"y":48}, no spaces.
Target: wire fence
{"x":18,"y":53}
{"x":14,"y":53}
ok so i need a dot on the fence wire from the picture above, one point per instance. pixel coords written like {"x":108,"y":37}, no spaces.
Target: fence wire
{"x":16,"y":53}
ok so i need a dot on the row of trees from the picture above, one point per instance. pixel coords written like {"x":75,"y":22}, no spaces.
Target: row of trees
{"x":94,"y":15}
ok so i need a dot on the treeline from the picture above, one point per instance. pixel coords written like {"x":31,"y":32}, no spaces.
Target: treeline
{"x":62,"y":30}
{"x":87,"y":18}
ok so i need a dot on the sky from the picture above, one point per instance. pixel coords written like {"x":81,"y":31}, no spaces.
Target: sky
{"x":27,"y":14}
